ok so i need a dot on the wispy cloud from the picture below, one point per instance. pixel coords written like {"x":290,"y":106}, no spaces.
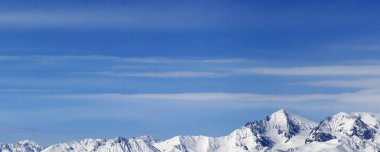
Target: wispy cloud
{"x":18,"y":129}
{"x":7,"y":58}
{"x":145,"y":67}
{"x":368,"y":47}
{"x":356,"y":83}
{"x":360,"y":70}
{"x":363,"y":96}
{"x":100,"y":18}
{"x":162,"y":67}
{"x":153,"y":60}
{"x":171,"y":74}
{"x":13,"y":90}
{"x":127,"y":17}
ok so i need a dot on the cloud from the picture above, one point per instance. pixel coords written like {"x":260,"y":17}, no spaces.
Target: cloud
{"x":127,"y":17}
{"x":232,"y":97}
{"x":370,"y":47}
{"x":362,"y":97}
{"x":12,"y":90}
{"x":8,"y":58}
{"x":163,"y":67}
{"x":146,"y":67}
{"x":152,"y":60}
{"x":12,"y":129}
{"x":229,"y":60}
{"x":354,"y":70}
{"x":357,"y":83}
{"x":147,"y":60}
{"x":171,"y":74}
{"x":242,"y":99}
{"x":87,"y":19}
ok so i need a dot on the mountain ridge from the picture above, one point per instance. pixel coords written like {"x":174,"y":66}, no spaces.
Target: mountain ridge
{"x":280,"y":131}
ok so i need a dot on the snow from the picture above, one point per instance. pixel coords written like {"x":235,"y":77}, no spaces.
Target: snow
{"x":21,"y":146}
{"x":280,"y":131}
{"x":101,"y":145}
{"x":288,"y":124}
{"x":355,"y":132}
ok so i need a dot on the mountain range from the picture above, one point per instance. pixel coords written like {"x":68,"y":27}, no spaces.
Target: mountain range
{"x":281,"y":131}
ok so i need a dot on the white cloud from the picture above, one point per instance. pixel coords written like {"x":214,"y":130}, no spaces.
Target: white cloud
{"x":233,"y":97}
{"x":196,"y":67}
{"x":242,"y":99}
{"x":81,"y":19}
{"x":360,"y":70}
{"x":94,"y":57}
{"x":7,"y":58}
{"x":362,"y":47}
{"x":357,"y":83}
{"x":153,"y":60}
{"x":363,"y":96}
{"x":227,"y":60}
{"x":170,"y":74}
{"x":12,"y":90}
{"x":128,"y":17}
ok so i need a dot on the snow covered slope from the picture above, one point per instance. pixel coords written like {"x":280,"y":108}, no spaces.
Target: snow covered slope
{"x":21,"y":146}
{"x":348,"y":132}
{"x":280,"y":131}
{"x":276,"y":130}
{"x":137,"y":144}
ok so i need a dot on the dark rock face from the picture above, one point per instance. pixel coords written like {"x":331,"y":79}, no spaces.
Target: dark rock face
{"x":362,"y":130}
{"x":344,"y":125}
{"x":121,"y":140}
{"x":258,"y":130}
{"x":322,"y":137}
{"x":294,"y":129}
{"x":265,"y":142}
{"x":256,"y":127}
{"x":319,"y":136}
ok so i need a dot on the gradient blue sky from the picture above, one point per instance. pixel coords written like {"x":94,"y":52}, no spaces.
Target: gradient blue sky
{"x":75,"y":69}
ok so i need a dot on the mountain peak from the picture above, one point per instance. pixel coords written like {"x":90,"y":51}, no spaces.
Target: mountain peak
{"x":281,"y":111}
{"x":284,"y":118}
{"x":146,"y":138}
{"x":282,"y":125}
{"x":280,"y":116}
{"x":353,"y":128}
{"x":27,"y":142}
{"x":342,"y":115}
{"x":21,"y":146}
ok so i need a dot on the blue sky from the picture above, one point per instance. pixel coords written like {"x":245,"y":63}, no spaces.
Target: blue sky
{"x":77,"y":69}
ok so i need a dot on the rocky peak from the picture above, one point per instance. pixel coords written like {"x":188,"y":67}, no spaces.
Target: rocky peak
{"x":342,"y":125}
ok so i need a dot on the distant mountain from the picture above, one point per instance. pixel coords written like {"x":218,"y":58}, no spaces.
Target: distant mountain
{"x":21,"y":146}
{"x":347,"y":132}
{"x":280,"y":131}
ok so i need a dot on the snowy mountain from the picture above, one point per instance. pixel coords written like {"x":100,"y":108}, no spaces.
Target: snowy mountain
{"x":21,"y":146}
{"x":347,"y":132}
{"x":137,"y":144}
{"x":280,"y":131}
